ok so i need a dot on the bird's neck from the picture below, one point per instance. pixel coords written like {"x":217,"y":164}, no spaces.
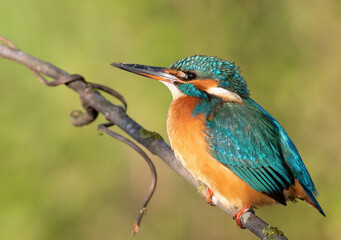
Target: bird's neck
{"x":181,"y":118}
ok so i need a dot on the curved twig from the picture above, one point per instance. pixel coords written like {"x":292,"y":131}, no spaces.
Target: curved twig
{"x":140,"y":213}
{"x":61,"y":80}
{"x":79,"y":118}
{"x":8,"y":42}
{"x":111,"y":92}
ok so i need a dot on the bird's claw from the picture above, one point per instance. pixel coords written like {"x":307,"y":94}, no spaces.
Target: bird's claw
{"x":237,"y":216}
{"x":209,"y":196}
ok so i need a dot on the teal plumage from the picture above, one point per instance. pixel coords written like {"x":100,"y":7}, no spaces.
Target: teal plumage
{"x":247,"y":143}
{"x":250,"y":142}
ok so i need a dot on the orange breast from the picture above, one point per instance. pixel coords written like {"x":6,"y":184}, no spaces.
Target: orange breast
{"x":187,"y":137}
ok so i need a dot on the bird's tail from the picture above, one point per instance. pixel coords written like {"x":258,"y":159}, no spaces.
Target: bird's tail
{"x":313,"y":201}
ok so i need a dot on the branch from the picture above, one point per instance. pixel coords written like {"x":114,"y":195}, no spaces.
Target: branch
{"x":93,"y":103}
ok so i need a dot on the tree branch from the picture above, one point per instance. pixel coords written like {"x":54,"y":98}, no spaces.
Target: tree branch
{"x":93,"y":103}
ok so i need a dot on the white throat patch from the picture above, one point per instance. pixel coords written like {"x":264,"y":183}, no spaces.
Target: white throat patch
{"x":174,"y":90}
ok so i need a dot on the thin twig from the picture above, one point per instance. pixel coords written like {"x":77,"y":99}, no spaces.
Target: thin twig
{"x":151,"y":190}
{"x":115,"y":114}
{"x":111,"y":92}
{"x":56,"y":82}
{"x":8,"y":42}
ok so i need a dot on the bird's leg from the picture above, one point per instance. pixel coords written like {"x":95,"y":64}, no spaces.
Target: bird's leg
{"x":209,"y":195}
{"x":238,"y":214}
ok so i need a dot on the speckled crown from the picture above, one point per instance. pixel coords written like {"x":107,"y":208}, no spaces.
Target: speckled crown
{"x":226,"y":72}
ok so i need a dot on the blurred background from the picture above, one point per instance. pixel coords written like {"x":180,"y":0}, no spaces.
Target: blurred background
{"x":63,"y":182}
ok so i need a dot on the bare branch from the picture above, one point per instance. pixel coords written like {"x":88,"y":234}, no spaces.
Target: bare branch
{"x":92,"y":99}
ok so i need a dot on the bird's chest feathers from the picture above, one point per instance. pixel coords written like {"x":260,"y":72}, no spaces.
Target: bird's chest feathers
{"x":186,"y":132}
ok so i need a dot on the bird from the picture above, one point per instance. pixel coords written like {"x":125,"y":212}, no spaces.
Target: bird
{"x":226,"y":140}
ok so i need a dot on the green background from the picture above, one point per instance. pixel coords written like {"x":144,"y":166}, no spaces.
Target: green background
{"x":62,"y":182}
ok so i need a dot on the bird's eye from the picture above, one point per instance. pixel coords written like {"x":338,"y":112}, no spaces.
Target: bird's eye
{"x":191,"y":75}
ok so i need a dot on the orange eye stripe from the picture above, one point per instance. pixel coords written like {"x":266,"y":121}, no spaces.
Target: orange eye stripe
{"x":204,"y":84}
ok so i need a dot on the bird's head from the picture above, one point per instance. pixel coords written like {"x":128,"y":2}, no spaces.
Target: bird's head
{"x":198,"y":76}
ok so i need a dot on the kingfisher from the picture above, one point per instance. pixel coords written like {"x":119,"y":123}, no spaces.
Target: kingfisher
{"x":226,"y":140}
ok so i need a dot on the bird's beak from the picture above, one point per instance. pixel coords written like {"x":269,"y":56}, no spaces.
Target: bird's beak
{"x":158,"y":73}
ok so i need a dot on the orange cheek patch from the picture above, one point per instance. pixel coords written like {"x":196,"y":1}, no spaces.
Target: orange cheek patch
{"x":204,"y":84}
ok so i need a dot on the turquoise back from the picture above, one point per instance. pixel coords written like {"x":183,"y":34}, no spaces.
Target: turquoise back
{"x":250,"y":142}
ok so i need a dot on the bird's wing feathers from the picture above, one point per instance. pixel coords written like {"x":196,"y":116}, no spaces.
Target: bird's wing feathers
{"x":250,"y":142}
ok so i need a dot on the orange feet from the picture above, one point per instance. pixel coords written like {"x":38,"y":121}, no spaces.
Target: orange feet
{"x":209,"y":195}
{"x":238,"y":214}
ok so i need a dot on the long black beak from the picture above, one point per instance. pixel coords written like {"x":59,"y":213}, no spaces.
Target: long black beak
{"x":158,"y":73}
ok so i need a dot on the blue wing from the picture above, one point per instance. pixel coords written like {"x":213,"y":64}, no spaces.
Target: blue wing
{"x":250,"y":142}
